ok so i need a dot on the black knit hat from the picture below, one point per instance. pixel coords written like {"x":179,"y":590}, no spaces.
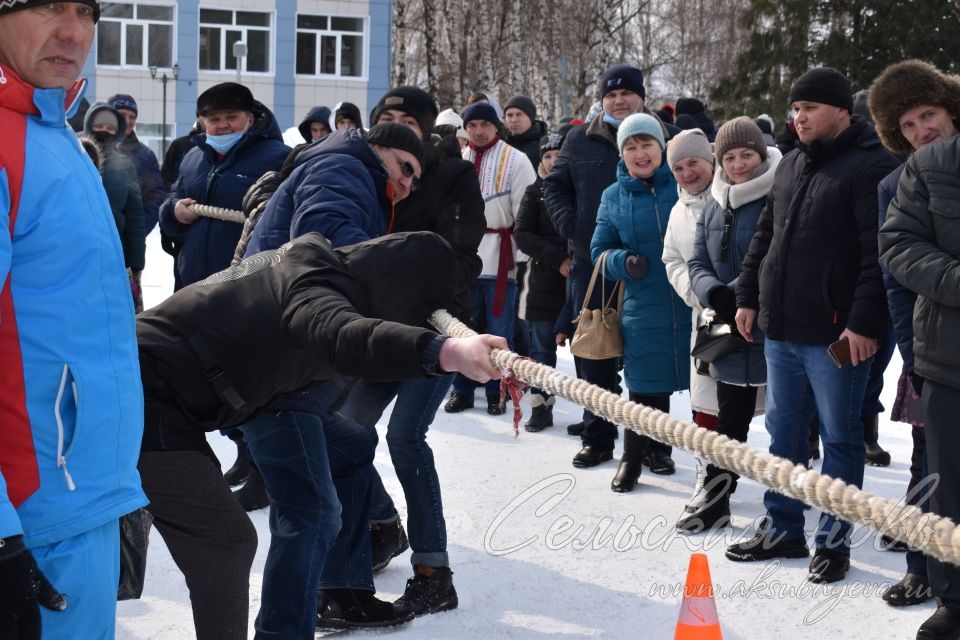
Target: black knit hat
{"x":823,"y":85}
{"x":553,"y":141}
{"x":621,"y":76}
{"x":349,"y":111}
{"x":412,"y":101}
{"x":523,"y":103}
{"x":480,"y":111}
{"x":226,"y":95}
{"x":396,"y":136}
{"x":9,"y":6}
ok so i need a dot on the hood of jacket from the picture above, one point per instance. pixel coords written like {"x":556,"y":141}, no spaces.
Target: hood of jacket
{"x":737,"y":195}
{"x":317,"y":114}
{"x":92,"y":113}
{"x":388,"y":267}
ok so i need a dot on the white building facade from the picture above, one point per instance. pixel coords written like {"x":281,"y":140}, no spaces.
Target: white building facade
{"x":299,"y":54}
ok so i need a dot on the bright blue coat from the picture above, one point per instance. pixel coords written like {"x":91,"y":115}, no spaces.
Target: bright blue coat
{"x":656,"y":323}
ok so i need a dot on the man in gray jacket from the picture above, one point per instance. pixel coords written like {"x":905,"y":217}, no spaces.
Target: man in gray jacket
{"x":919,"y":244}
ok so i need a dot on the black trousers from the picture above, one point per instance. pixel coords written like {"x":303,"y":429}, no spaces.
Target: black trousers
{"x":736,"y":405}
{"x":634,"y":444}
{"x":941,"y":408}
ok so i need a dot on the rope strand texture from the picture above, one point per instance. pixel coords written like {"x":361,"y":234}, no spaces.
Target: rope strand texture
{"x":229,"y":215}
{"x":927,"y":532}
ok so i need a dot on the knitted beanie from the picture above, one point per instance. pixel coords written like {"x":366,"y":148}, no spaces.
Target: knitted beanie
{"x":8,"y":6}
{"x":411,"y":100}
{"x":452,"y":118}
{"x":523,"y":103}
{"x":737,"y":133}
{"x":123,"y":101}
{"x":621,"y":76}
{"x":480,"y":111}
{"x":396,"y":136}
{"x":904,"y":86}
{"x":823,"y":85}
{"x":640,"y":124}
{"x":691,"y":143}
{"x":553,"y":141}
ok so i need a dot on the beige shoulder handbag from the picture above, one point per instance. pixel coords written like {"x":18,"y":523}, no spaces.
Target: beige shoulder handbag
{"x":598,"y":335}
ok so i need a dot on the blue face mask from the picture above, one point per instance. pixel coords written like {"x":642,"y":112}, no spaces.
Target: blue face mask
{"x":223,"y":144}
{"x":609,"y":119}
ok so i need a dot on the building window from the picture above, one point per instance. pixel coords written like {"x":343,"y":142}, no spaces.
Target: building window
{"x":221,"y":28}
{"x":331,"y":46}
{"x":133,"y":34}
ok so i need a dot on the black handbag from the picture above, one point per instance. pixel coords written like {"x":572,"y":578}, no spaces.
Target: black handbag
{"x":134,"y":538}
{"x":715,"y":339}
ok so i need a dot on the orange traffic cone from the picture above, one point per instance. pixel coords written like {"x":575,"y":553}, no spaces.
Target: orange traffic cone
{"x":698,"y":612}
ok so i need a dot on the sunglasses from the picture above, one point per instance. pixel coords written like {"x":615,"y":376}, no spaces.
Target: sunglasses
{"x":408,"y":172}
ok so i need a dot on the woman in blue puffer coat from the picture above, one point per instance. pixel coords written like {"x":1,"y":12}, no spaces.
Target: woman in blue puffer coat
{"x":631,"y":223}
{"x":740,"y":186}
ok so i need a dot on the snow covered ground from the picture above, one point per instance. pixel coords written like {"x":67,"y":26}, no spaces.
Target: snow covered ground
{"x":541,"y":549}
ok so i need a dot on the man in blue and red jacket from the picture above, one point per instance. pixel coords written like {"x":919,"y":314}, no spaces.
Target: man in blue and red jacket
{"x":71,"y":405}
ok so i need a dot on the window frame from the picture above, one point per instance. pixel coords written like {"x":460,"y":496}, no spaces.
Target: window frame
{"x":271,"y":42}
{"x":145,"y":24}
{"x":364,"y":34}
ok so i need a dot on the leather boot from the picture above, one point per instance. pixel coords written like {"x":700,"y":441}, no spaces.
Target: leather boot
{"x":874,"y":455}
{"x":714,"y":508}
{"x":237,"y":474}
{"x":631,"y":462}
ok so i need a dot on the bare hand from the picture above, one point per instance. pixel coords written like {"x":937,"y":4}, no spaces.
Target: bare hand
{"x":471,"y":356}
{"x":861,"y":347}
{"x":183,"y":213}
{"x":565,"y":268}
{"x":561,"y":339}
{"x":745,"y":319}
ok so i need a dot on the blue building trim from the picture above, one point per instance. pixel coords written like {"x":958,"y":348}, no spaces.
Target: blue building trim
{"x":188,"y":47}
{"x":378,"y":82}
{"x":284,"y":83}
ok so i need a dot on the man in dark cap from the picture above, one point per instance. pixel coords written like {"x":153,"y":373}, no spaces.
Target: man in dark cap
{"x":241,"y":142}
{"x":520,"y":116}
{"x":819,"y":226}
{"x":65,"y":298}
{"x":152,"y":189}
{"x":587,"y":165}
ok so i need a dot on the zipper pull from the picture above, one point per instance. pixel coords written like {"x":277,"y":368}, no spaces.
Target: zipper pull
{"x":66,"y":474}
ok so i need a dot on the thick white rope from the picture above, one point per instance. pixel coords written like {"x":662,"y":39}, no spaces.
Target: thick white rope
{"x":218,"y":213}
{"x":927,"y":532}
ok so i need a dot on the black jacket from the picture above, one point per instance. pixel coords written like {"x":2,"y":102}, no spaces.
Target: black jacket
{"x":448,"y":202}
{"x":812,"y":268}
{"x":544,"y":290}
{"x":219,"y":351}
{"x":529,"y":142}
{"x":920,"y":245}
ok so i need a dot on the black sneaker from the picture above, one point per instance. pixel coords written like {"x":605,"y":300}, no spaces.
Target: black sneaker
{"x":358,"y":609}
{"x":764,"y":546}
{"x":541,"y":417}
{"x":659,"y":463}
{"x":575,"y":429}
{"x":429,"y":594}
{"x":493,"y":406}
{"x":912,"y":589}
{"x":253,"y":495}
{"x":458,"y":402}
{"x":828,"y":565}
{"x":944,"y":624}
{"x":387,"y":541}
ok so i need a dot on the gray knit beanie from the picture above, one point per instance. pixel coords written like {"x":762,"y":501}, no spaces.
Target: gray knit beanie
{"x":686,"y":144}
{"x":740,"y":132}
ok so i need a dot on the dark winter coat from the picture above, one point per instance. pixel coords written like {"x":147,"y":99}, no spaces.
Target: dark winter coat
{"x":529,"y":141}
{"x":170,"y":170}
{"x":317,"y":114}
{"x":544,"y":289}
{"x":220,"y":181}
{"x":338,"y":188}
{"x":900,"y":299}
{"x":152,"y":188}
{"x":291,"y":318}
{"x":919,"y":244}
{"x":123,"y":191}
{"x":812,"y":266}
{"x":632,"y":220}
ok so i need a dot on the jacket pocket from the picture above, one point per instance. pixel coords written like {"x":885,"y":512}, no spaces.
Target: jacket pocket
{"x":67,"y":413}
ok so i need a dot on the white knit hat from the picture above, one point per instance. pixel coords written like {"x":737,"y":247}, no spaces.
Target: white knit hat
{"x":452,"y":118}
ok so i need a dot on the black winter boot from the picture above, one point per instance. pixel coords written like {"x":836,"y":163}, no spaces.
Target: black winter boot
{"x":912,"y":589}
{"x":631,"y":462}
{"x":944,"y":624}
{"x":387,"y":541}
{"x":575,"y":429}
{"x":874,"y":455}
{"x":253,"y":495}
{"x":430,"y":590}
{"x":493,"y":406}
{"x":541,"y":413}
{"x":237,"y":474}
{"x":713,"y":508}
{"x":458,"y":402}
{"x":357,"y":609}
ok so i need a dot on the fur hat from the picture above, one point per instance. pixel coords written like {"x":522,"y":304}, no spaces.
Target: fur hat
{"x":903,"y":86}
{"x":226,"y":95}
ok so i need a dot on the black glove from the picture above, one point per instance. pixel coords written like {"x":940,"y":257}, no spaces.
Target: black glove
{"x":261,"y":191}
{"x":636,"y":266}
{"x":23,"y":590}
{"x":724,"y":303}
{"x":917,"y":383}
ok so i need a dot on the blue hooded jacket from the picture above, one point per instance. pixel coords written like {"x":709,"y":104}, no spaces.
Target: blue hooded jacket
{"x":209,"y":244}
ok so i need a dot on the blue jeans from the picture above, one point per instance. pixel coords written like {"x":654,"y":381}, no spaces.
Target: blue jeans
{"x":481,"y":301}
{"x":316,"y":470}
{"x":416,"y":405}
{"x":802,"y":380}
{"x":543,"y":347}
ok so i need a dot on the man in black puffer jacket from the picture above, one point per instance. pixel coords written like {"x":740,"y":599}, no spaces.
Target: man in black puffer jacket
{"x":811,"y":278}
{"x":218,"y":352}
{"x":520,"y":116}
{"x":919,"y":244}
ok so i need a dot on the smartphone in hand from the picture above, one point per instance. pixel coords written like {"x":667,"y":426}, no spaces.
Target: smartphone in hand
{"x":840,"y":352}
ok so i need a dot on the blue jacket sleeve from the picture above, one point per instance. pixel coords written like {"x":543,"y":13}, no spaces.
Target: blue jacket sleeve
{"x":900,"y":299}
{"x":606,"y":237}
{"x":338,"y":209}
{"x":703,"y":279}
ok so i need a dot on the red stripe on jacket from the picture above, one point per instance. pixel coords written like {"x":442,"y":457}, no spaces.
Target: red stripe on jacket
{"x":18,"y":458}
